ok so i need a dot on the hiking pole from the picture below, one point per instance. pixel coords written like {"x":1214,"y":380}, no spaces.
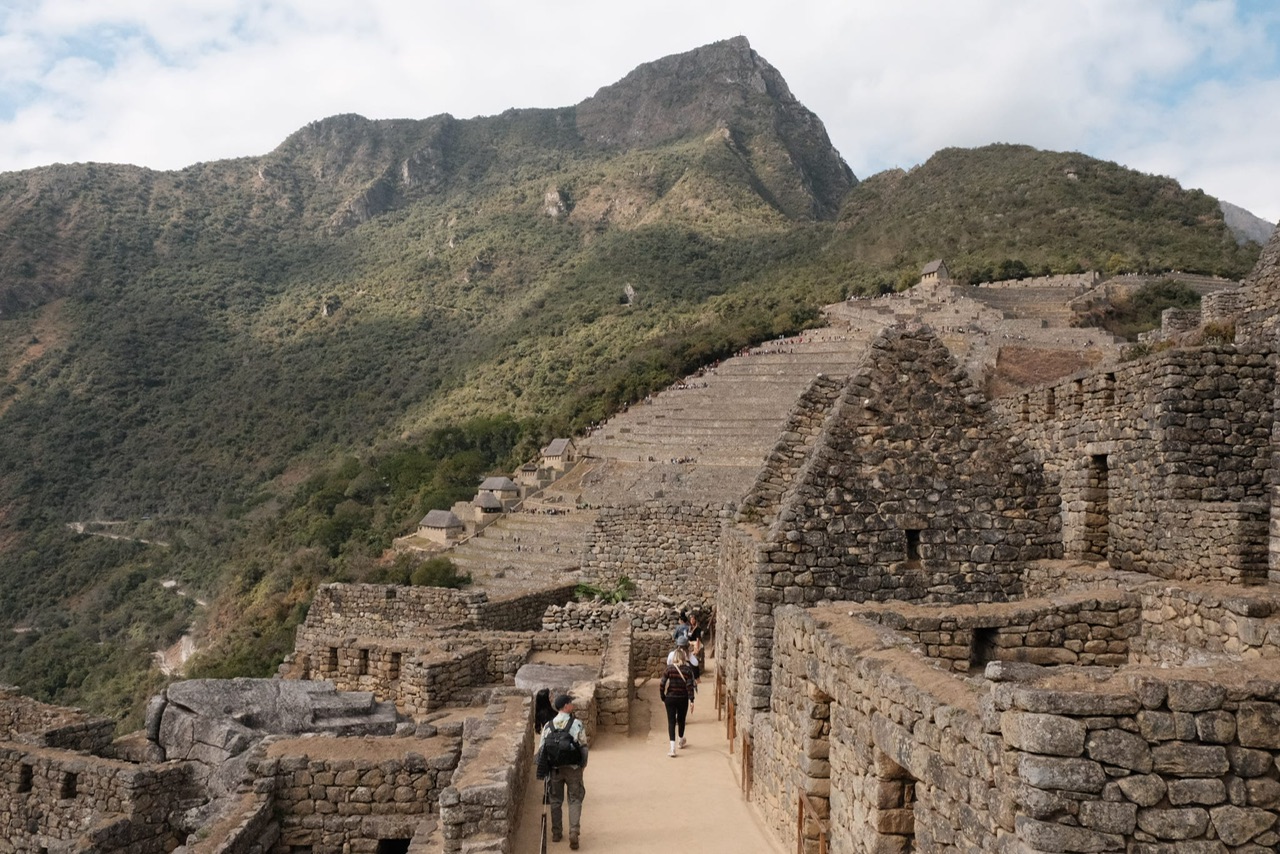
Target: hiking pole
{"x":546,"y":812}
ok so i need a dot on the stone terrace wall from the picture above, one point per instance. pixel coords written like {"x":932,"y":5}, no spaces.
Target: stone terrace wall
{"x":332,"y":796}
{"x":1080,"y":281}
{"x":389,"y":610}
{"x":480,"y":810}
{"x":666,"y":549}
{"x":803,"y":427}
{"x":1181,"y":622}
{"x":63,"y":800}
{"x":649,"y":653}
{"x":457,"y":661}
{"x":1078,"y":628}
{"x":523,"y":612}
{"x":1164,"y":463}
{"x":1159,"y":761}
{"x":889,"y":746}
{"x":428,"y":682}
{"x":397,"y":611}
{"x":600,"y":616}
{"x":1192,"y":624}
{"x":31,"y":722}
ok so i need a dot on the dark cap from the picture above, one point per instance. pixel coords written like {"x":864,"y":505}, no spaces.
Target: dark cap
{"x":562,"y":701}
{"x":683,"y":640}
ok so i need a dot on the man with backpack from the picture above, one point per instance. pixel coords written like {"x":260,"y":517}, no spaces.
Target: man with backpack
{"x":562,"y":754}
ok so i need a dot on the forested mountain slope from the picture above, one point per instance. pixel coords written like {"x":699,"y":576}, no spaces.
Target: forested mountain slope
{"x":274,"y":364}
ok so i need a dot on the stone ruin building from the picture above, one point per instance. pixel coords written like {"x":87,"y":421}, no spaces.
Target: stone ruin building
{"x":1047,"y":621}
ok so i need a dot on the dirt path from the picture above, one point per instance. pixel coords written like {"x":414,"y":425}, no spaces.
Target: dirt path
{"x":640,"y":801}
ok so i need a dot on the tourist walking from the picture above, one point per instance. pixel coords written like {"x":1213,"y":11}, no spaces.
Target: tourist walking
{"x":682,"y":628}
{"x":696,"y":645}
{"x":562,"y":756}
{"x":677,"y":690}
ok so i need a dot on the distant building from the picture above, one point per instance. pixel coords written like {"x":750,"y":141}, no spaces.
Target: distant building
{"x":560,"y":454}
{"x":504,"y":489}
{"x":441,"y":526}
{"x":935,"y":271}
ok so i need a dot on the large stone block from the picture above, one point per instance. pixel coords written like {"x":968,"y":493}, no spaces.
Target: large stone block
{"x":1052,"y":735}
{"x":1174,"y":824}
{"x":1184,"y":759}
{"x":1120,"y":748}
{"x":1075,"y":775}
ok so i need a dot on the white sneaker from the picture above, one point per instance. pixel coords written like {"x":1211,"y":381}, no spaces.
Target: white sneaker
{"x":672,"y":751}
{"x":682,"y":741}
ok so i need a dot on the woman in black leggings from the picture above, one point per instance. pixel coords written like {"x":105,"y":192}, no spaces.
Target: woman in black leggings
{"x":677,"y":689}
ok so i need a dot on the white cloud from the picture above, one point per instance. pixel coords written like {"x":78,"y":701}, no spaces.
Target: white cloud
{"x":1177,"y":88}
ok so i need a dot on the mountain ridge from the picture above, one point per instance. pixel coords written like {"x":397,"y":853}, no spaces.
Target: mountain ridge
{"x":278,"y":362}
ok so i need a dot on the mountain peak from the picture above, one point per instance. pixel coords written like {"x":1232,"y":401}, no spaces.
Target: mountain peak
{"x":722,"y":86}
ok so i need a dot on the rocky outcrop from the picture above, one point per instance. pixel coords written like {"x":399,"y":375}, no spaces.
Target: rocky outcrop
{"x":725,"y":88}
{"x":214,"y":722}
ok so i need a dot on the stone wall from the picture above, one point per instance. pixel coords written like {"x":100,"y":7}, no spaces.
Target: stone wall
{"x":666,"y":549}
{"x":1163,"y":463}
{"x":803,"y":427}
{"x":613,"y":691}
{"x":524,"y":612}
{"x":914,"y":492}
{"x":439,"y":667}
{"x":901,"y":756}
{"x":31,"y":722}
{"x":1260,"y":315}
{"x":480,"y":809}
{"x":389,"y":610}
{"x":1077,"y":628}
{"x":449,"y":676}
{"x":332,"y":796}
{"x":891,"y":749}
{"x":649,"y":652}
{"x":745,"y":599}
{"x":1164,"y":760}
{"x":397,"y":611}
{"x":66,"y":800}
{"x":643,"y":615}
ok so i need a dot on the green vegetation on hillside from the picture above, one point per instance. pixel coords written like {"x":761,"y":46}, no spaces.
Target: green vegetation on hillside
{"x":1127,"y":315}
{"x":275,"y":365}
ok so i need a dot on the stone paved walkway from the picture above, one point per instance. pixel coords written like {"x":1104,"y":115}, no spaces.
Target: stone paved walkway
{"x":639,"y":801}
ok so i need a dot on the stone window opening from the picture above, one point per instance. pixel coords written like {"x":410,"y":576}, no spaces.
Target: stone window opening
{"x":1050,"y":403}
{"x":390,"y":592}
{"x":362,"y":663}
{"x":1109,"y":389}
{"x":393,"y":670}
{"x":393,"y":846}
{"x":983,"y":649}
{"x":1024,"y":409}
{"x":913,"y":545}
{"x":1077,"y":395}
{"x":69,"y":784}
{"x":333,"y":660}
{"x":25,"y":774}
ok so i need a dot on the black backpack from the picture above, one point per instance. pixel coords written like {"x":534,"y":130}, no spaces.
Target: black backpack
{"x":560,"y":747}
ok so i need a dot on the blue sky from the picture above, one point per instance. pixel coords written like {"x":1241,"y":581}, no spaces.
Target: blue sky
{"x":1185,"y":89}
